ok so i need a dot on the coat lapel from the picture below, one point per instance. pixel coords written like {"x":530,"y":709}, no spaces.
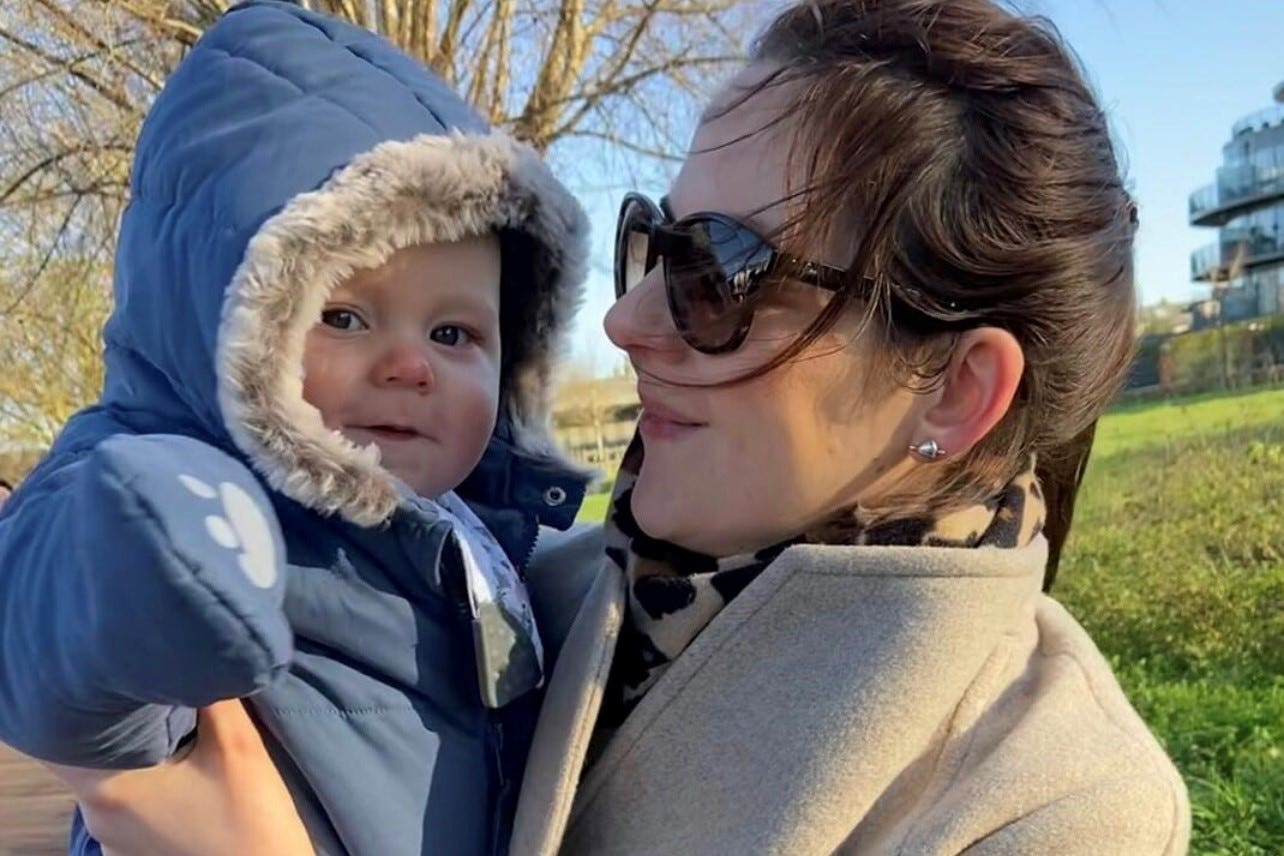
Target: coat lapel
{"x":787,"y":718}
{"x":571,"y":706}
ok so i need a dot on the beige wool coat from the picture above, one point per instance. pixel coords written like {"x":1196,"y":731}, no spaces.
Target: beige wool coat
{"x":854,"y":700}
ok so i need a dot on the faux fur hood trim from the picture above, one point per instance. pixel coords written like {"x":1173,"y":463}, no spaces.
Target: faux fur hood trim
{"x":433,"y":188}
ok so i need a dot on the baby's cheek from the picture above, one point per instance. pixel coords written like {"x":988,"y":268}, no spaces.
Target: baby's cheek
{"x":324,"y":384}
{"x":476,"y":412}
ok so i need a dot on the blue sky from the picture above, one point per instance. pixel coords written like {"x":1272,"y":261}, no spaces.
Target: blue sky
{"x":1173,"y":75}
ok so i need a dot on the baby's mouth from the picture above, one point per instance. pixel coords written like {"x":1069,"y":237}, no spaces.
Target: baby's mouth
{"x":391,"y":432}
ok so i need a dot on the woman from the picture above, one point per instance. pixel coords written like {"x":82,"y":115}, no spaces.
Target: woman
{"x":894,"y":272}
{"x":825,"y":553}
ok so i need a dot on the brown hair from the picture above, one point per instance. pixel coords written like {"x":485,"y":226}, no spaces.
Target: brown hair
{"x":965,"y":147}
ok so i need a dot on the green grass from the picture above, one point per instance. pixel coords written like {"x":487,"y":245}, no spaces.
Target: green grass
{"x":1140,"y":426}
{"x":1176,"y":568}
{"x":594,"y":508}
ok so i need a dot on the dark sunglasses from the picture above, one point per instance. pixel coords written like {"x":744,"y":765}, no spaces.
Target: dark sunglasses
{"x":714,"y":268}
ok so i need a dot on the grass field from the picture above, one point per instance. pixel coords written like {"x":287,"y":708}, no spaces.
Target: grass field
{"x":1176,"y":567}
{"x":594,"y":508}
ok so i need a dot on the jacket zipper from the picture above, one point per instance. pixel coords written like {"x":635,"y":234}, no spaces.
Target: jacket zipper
{"x":495,"y":745}
{"x":499,"y":846}
{"x":530,"y":553}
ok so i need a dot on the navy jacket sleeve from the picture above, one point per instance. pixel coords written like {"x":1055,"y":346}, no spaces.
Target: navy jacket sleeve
{"x":138,"y":580}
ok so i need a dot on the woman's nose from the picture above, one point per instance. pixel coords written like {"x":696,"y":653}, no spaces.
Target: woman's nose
{"x":640,"y":320}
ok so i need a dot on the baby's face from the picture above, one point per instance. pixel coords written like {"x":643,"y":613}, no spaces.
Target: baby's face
{"x":406,"y":356}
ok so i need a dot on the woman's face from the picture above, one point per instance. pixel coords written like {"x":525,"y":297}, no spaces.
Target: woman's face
{"x":730,"y":469}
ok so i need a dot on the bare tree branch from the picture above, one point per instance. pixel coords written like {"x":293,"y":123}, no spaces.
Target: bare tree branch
{"x":103,"y":47}
{"x":48,"y":162}
{"x":621,"y":143}
{"x":609,"y":77}
{"x":592,"y":98}
{"x":443,"y":62}
{"x":116,"y":98}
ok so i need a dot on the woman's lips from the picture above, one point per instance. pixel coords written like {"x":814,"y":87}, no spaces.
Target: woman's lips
{"x":653,"y":427}
{"x":660,"y":422}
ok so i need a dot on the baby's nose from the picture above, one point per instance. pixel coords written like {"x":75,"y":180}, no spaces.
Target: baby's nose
{"x":405,"y":365}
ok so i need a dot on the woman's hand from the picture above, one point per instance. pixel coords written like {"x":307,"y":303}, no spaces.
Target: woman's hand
{"x":224,"y":796}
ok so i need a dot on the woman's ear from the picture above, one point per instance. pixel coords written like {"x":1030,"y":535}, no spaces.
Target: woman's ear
{"x":977,"y":390}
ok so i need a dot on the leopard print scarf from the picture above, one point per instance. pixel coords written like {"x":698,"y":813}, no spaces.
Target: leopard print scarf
{"x":673,"y":593}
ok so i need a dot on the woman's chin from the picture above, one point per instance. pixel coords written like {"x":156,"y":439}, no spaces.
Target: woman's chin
{"x":657,"y":512}
{"x":672,"y":519}
{"x":651,"y":517}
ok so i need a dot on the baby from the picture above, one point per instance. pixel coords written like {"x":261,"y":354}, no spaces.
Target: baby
{"x":320,"y":458}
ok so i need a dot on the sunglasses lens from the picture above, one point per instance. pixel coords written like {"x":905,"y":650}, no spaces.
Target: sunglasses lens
{"x":712,"y":270}
{"x":712,"y":284}
{"x":634,"y":257}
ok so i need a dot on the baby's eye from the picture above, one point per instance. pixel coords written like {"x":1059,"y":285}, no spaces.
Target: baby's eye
{"x":343,"y":319}
{"x":450,"y":335}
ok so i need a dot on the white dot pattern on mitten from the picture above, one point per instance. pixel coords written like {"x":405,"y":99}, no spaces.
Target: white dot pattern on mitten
{"x":221,"y":531}
{"x":241,"y":527}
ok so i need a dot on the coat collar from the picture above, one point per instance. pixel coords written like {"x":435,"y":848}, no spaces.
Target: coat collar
{"x":863,"y":651}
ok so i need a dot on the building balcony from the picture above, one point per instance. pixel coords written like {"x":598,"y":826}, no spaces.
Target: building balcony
{"x":1206,"y":264}
{"x":1261,"y":120}
{"x":1238,"y":251}
{"x":1238,"y":189}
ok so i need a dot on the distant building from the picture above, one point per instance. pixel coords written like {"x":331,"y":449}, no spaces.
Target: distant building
{"x":1164,"y":319}
{"x":1245,"y":266}
{"x":1205,"y":313}
{"x":594,"y":418}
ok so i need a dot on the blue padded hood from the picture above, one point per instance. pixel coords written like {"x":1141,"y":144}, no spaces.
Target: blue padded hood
{"x":288,"y":150}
